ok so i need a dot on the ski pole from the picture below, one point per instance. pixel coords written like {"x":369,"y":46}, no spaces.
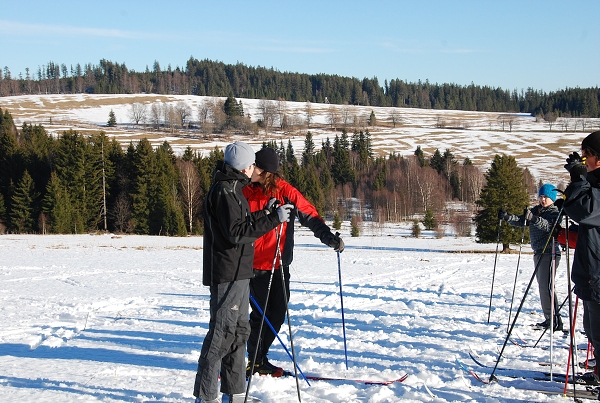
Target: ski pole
{"x":494,"y":272}
{"x":572,"y":313}
{"x":342,"y":305}
{"x":262,"y":319}
{"x":551,"y":234}
{"x":268,"y":322}
{"x":552,"y":307}
{"x":287,"y":310}
{"x":516,"y":275}
{"x":571,"y":358}
{"x":557,"y":313}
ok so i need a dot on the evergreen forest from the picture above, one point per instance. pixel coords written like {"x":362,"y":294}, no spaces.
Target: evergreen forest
{"x":213,"y":78}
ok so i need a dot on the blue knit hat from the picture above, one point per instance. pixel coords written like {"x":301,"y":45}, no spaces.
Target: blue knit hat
{"x":548,"y":190}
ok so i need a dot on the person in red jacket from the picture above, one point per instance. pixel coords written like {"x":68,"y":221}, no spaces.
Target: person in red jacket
{"x":267,"y":185}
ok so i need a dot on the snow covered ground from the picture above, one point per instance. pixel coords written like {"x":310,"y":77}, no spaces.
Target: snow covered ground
{"x":122,"y":318}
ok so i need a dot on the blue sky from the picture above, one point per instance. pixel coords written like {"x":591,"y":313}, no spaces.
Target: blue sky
{"x":547,"y":45}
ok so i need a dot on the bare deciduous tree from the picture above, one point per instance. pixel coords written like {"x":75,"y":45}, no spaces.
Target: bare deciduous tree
{"x":121,"y":213}
{"x":170,"y":117}
{"x":346,"y":115}
{"x":565,"y":122}
{"x":268,"y":112}
{"x":333,"y":116}
{"x":191,"y":190}
{"x":511,"y":121}
{"x":204,"y":116}
{"x":138,"y":113}
{"x":282,"y":114}
{"x":550,"y":118}
{"x":309,"y":113}
{"x":156,"y":111}
{"x":184,"y":111}
{"x":395,"y":116}
{"x":218,"y":115}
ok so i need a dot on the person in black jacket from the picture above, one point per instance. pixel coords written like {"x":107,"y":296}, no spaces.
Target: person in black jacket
{"x":582,"y":204}
{"x":230,"y":230}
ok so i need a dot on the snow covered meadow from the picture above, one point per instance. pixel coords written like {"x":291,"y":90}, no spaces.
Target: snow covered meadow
{"x":121,"y":319}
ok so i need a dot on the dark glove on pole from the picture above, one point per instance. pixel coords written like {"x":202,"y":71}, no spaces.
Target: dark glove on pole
{"x":336,"y":242}
{"x":502,"y":214}
{"x":576,"y":168}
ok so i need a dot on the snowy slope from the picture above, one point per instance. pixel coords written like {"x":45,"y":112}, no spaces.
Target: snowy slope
{"x":530,"y":141}
{"x":121,"y":319}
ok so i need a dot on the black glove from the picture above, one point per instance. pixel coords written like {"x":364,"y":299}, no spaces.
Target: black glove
{"x":559,"y":202}
{"x":336,"y":242}
{"x":502,"y":214}
{"x":575,"y":167}
{"x":272,"y":205}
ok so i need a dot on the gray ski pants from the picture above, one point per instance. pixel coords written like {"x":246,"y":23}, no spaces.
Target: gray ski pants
{"x":545,"y":281}
{"x":224,"y":347}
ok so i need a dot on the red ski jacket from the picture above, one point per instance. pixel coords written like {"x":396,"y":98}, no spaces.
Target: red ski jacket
{"x":265,"y":246}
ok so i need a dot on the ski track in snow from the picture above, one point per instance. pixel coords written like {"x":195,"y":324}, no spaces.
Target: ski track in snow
{"x":122,"y":319}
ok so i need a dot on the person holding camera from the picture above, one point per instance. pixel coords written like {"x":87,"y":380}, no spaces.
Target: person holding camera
{"x":541,"y":219}
{"x":582,"y":204}
{"x":268,"y":187}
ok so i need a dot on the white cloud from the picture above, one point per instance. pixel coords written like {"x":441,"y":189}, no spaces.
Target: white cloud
{"x":21,"y":29}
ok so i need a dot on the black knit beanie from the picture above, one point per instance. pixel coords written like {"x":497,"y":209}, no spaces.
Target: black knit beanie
{"x":592,"y":141}
{"x":267,"y":160}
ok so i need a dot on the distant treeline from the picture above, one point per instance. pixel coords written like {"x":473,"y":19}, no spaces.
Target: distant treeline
{"x":206,"y":77}
{"x":75,"y":183}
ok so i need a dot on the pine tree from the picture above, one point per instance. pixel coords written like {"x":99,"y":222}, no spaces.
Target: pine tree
{"x":79,"y":165}
{"x":309,"y":150}
{"x":429,"y":221}
{"x":144,"y":171}
{"x":112,"y":120}
{"x":372,"y":119}
{"x":505,"y":189}
{"x":420,"y":156}
{"x":354,"y":230}
{"x":313,"y":191}
{"x":341,"y":169}
{"x":22,"y":211}
{"x":166,"y":216}
{"x":337,"y":222}
{"x":11,"y":165}
{"x":416,"y":229}
{"x":58,"y":207}
{"x":295,"y":174}
{"x":2,"y":215}
{"x":437,"y":161}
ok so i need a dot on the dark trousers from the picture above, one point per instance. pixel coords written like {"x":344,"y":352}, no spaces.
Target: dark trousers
{"x":545,"y":281}
{"x":224,"y":347}
{"x":276,"y":309}
{"x":591,"y":325}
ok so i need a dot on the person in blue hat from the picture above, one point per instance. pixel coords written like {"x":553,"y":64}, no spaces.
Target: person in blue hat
{"x":541,"y":219}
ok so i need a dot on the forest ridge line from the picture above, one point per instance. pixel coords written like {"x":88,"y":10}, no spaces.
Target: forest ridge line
{"x":213,"y":78}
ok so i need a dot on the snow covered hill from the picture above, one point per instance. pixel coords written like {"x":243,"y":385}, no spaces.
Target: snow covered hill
{"x":477,"y":135}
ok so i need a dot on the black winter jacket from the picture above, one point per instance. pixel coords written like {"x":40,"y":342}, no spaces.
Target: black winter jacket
{"x":230,"y":229}
{"x":583,"y":206}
